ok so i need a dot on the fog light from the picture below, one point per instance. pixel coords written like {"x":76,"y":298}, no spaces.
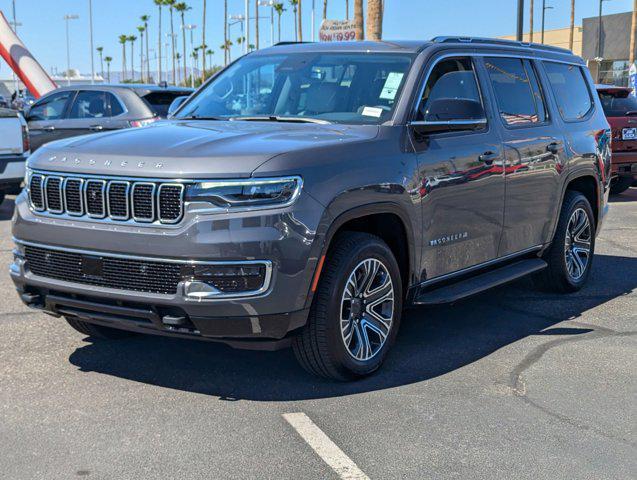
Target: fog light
{"x":223,"y":280}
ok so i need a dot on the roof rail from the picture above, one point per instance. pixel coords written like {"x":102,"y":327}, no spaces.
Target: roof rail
{"x":500,"y":41}
{"x":289,"y":42}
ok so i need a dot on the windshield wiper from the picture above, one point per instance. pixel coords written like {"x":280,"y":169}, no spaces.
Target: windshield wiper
{"x":200,"y":117}
{"x":277,"y":118}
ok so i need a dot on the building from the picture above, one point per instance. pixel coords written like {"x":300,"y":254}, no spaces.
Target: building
{"x":608,"y":60}
{"x":558,"y":38}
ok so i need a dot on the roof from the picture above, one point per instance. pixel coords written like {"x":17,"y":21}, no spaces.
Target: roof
{"x":408,"y":46}
{"x":129,"y":86}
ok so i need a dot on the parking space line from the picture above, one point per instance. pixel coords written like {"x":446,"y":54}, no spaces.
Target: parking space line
{"x":325,"y":448}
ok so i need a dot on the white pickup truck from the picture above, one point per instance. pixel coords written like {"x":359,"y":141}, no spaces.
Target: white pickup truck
{"x":14,"y":150}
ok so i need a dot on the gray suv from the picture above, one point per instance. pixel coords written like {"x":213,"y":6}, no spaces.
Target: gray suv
{"x":308,"y":193}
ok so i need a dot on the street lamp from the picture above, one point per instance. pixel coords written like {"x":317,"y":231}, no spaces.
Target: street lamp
{"x":68,"y":47}
{"x":191,"y":27}
{"x":544,"y":9}
{"x":90,"y":29}
{"x":270,"y":3}
{"x":172,"y":37}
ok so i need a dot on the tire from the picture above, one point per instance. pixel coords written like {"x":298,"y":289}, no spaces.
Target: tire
{"x":97,"y":332}
{"x":335,"y":348}
{"x":2,"y":196}
{"x":564,"y":273}
{"x":620,"y":184}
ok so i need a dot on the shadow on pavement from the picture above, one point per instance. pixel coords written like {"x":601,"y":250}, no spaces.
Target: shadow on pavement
{"x":629,"y":195}
{"x":432,"y":342}
{"x":6,"y":209}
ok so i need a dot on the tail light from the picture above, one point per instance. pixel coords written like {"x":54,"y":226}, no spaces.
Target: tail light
{"x":142,"y":123}
{"x":26,"y":144}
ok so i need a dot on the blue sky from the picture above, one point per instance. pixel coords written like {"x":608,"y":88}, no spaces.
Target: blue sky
{"x":42,"y":27}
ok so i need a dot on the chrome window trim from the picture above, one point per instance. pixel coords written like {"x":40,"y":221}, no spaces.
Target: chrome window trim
{"x":126,"y":196}
{"x":86,"y":184}
{"x":81,"y":192}
{"x":267,"y":278}
{"x":46,"y":195}
{"x":150,"y":219}
{"x":182,"y":194}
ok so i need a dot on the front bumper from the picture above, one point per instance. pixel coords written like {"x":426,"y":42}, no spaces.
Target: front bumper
{"x":284,"y":239}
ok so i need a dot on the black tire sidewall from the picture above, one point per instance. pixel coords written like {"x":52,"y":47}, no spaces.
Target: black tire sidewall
{"x":577,"y":202}
{"x":372,"y":249}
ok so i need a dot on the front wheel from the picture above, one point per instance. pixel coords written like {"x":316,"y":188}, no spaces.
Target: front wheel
{"x":356,"y":310}
{"x":570,"y":255}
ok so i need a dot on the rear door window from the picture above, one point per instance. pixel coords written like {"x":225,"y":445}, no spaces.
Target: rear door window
{"x":570,"y":87}
{"x":89,"y":104}
{"x":618,"y":103}
{"x":517,"y":91}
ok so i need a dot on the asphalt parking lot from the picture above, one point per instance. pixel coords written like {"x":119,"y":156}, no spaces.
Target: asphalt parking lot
{"x":511,"y":384}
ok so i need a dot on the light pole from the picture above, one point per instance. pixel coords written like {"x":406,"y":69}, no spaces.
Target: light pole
{"x":240,"y":19}
{"x":246,"y":47}
{"x":314,"y":21}
{"x":68,"y":47}
{"x":90,"y":29}
{"x":269,"y":3}
{"x":172,"y":37}
{"x":544,"y":9}
{"x":15,"y":25}
{"x":520,"y":27}
{"x":191,"y":27}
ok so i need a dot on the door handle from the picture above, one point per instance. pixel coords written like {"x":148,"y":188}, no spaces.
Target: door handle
{"x":48,"y":128}
{"x":96,"y":128}
{"x":488,"y":157}
{"x":553,"y":147}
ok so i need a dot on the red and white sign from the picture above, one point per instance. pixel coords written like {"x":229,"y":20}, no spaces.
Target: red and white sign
{"x":337,"y":31}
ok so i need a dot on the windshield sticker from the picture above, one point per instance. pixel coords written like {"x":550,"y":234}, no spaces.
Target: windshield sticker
{"x":372,"y":112}
{"x":391,"y":85}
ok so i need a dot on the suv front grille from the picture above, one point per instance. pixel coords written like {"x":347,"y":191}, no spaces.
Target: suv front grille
{"x":114,"y":199}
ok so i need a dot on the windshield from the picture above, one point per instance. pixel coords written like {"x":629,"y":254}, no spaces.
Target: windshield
{"x":618,"y":104}
{"x":343,"y":88}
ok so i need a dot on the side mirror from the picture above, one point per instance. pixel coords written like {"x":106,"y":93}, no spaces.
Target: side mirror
{"x":451,"y":114}
{"x":176,"y":103}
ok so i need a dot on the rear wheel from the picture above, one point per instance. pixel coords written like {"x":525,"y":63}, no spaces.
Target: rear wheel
{"x":620,"y":184}
{"x":570,"y":255}
{"x":356,"y":310}
{"x":97,"y":332}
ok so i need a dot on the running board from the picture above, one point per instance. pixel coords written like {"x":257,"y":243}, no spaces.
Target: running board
{"x":480,"y":283}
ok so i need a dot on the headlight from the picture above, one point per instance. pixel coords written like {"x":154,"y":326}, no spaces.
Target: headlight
{"x":257,"y":193}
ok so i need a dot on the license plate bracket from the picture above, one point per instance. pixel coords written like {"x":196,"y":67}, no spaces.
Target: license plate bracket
{"x":92,"y":266}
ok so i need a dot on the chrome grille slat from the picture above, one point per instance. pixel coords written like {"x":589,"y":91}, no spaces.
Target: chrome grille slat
{"x":110,"y":198}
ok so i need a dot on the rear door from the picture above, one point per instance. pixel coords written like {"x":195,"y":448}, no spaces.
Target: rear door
{"x":534,"y":153}
{"x":462,"y":181}
{"x":46,"y":118}
{"x":92,"y":111}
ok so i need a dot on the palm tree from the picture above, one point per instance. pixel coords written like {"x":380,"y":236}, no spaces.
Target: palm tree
{"x":108,"y":61}
{"x":178,"y":58}
{"x":324,"y":9}
{"x":203,"y":43}
{"x":358,"y":19}
{"x":256,"y":23}
{"x":226,"y":48}
{"x":141,"y":30}
{"x":145,"y":18}
{"x":300,"y":22}
{"x":295,"y":4}
{"x":182,"y":8}
{"x":375,"y":19}
{"x":171,"y":5}
{"x":225,"y":32}
{"x":531,"y":22}
{"x":195,"y":56}
{"x":100,"y":50}
{"x":122,"y":40}
{"x":159,"y":4}
{"x":278,"y":8}
{"x":131,"y":39}
{"x":347,"y":9}
{"x":210,"y":53}
{"x":572,"y":29}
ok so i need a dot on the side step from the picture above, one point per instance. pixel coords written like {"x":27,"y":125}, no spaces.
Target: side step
{"x":480,"y":283}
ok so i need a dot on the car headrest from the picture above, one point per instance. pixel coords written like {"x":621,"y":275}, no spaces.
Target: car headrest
{"x":96,"y":107}
{"x":321,"y":97}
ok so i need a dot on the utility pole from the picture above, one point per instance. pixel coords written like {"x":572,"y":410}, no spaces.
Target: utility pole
{"x":68,"y":47}
{"x":520,"y":26}
{"x":246,"y":47}
{"x":313,"y":22}
{"x":531,"y":22}
{"x":633,"y":34}
{"x":90,"y":29}
{"x":544,"y":9}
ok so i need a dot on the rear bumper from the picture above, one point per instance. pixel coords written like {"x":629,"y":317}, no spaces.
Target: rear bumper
{"x":11,"y":172}
{"x":624,"y":164}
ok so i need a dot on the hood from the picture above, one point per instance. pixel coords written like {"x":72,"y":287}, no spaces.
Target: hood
{"x":191,"y":149}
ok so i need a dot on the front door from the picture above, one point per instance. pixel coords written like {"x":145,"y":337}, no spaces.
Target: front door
{"x":46,"y":117}
{"x":462,"y":179}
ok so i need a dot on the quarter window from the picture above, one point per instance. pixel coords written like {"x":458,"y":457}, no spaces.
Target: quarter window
{"x":570,"y":87}
{"x":517,"y":90}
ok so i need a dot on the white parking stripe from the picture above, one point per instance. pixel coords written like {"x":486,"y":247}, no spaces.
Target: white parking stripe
{"x":324,"y":447}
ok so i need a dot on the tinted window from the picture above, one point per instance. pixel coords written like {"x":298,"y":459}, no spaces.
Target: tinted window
{"x":50,"y":108}
{"x":618,"y":104}
{"x":89,"y":104}
{"x":570,"y":88}
{"x":160,"y":101}
{"x":517,"y":90}
{"x":354,"y":88}
{"x":453,"y":78}
{"x":116,"y":106}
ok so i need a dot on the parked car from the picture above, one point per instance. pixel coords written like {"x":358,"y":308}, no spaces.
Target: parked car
{"x":21,"y":100}
{"x":79,"y":110}
{"x":308,"y":193}
{"x":14,"y":150}
{"x":620,"y":106}
{"x":4,"y":103}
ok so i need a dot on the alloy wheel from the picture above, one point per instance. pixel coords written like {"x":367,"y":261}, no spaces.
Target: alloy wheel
{"x":577,"y":247}
{"x":367,"y":309}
